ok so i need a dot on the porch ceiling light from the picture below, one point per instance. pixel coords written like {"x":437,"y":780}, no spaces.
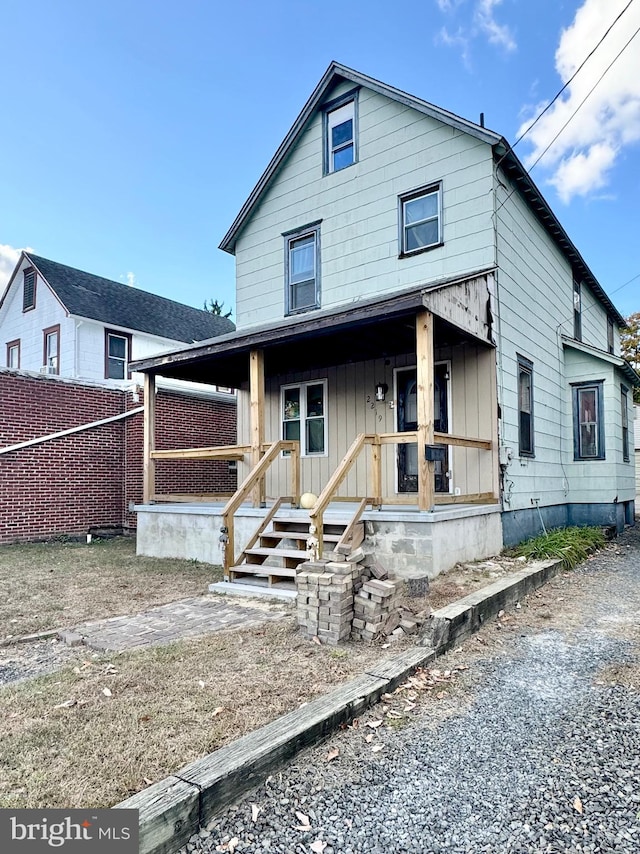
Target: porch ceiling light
{"x":381,"y":391}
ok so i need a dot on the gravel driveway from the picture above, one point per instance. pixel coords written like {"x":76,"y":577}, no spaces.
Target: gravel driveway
{"x":534,"y":746}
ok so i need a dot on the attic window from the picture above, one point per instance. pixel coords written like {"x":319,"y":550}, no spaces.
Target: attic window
{"x":29,"y":289}
{"x":340,"y":133}
{"x":117,"y":355}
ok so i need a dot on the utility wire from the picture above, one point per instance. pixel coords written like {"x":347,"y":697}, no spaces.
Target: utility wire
{"x":569,"y":81}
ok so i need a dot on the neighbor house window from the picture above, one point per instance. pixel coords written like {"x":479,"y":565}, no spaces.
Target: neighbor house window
{"x":525,"y":406}
{"x":420,"y":220}
{"x":117,"y":355}
{"x":624,"y":405}
{"x":610,"y":335}
{"x":588,"y":421}
{"x":13,"y":354}
{"x":304,"y":416}
{"x":51,"y":350}
{"x":577,"y":311}
{"x":340,"y":133}
{"x":29,"y":289}
{"x":302,"y":263}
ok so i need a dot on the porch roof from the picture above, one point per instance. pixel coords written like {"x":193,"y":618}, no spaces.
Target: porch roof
{"x":366,"y":329}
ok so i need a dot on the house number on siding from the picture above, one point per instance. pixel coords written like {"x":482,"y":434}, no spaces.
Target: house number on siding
{"x":371,"y":403}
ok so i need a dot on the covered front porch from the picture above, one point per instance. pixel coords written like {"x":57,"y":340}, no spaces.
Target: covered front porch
{"x":384,"y":412}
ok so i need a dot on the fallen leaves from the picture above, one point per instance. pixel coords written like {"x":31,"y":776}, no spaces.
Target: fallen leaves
{"x":332,"y":754}
{"x":577,"y":805}
{"x":318,"y":846}
{"x":304,"y":822}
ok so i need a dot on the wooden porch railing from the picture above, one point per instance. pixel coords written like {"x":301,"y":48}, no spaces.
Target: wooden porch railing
{"x":375,"y":498}
{"x":230,"y":453}
{"x":248,"y":485}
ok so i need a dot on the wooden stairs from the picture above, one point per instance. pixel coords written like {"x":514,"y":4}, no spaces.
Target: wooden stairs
{"x":279,"y":545}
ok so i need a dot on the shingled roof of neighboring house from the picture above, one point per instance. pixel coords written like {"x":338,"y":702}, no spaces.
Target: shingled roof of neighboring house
{"x":116,"y":304}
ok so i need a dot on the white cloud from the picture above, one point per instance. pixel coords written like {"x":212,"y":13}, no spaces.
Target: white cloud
{"x":582,"y":158}
{"x":497,"y":33}
{"x":479,"y":21}
{"x":9,"y":256}
{"x":130,"y":279}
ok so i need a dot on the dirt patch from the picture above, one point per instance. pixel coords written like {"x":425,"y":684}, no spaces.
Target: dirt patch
{"x":53,"y":585}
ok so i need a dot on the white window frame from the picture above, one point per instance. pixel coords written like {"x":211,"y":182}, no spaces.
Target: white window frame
{"x":304,"y":418}
{"x":337,"y":116}
{"x":110,"y":333}
{"x":434,"y":189}
{"x":13,"y":349}
{"x":313,"y":231}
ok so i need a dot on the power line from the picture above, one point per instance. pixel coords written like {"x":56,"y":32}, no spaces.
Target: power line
{"x":570,"y":80}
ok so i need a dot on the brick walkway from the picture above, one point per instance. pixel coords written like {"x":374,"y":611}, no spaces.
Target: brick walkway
{"x":182,"y":619}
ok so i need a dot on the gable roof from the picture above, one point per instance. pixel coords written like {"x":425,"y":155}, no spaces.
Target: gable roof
{"x":116,"y":304}
{"x":503,"y":154}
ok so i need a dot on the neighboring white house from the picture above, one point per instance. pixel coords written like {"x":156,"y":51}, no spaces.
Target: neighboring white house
{"x":636,"y":445}
{"x":60,"y":321}
{"x":398,"y":271}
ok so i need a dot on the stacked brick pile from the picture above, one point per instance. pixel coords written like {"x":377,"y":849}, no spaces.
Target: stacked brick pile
{"x":375,"y":606}
{"x":325,"y":600}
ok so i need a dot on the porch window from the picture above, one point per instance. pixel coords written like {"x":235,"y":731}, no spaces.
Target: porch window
{"x":13,"y":354}
{"x":624,"y":404}
{"x":420,"y":220}
{"x":29,"y":289}
{"x":51,"y":350}
{"x":588,"y":421}
{"x":117,"y":355}
{"x":304,"y":416}
{"x":525,"y":406}
{"x":577,"y":311}
{"x":302,"y":264}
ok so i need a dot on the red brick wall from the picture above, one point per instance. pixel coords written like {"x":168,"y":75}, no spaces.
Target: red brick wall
{"x":87,"y":480}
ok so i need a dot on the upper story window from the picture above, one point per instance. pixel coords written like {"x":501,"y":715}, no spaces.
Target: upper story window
{"x":588,"y":421}
{"x":51,"y":348}
{"x":420,"y":219}
{"x":610,"y":336}
{"x":577,"y":310}
{"x":13,"y":354}
{"x":304,"y":416}
{"x":340,"y":133}
{"x":117,"y":355}
{"x":29,"y":289}
{"x":525,"y":407}
{"x":302,"y":269}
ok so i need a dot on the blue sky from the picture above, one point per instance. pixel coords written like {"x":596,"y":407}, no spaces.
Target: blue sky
{"x":134,"y":131}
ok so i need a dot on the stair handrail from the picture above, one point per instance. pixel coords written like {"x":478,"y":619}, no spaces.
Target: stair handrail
{"x":271,"y":453}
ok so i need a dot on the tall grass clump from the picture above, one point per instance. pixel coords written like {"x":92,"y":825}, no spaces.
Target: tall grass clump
{"x":570,"y":545}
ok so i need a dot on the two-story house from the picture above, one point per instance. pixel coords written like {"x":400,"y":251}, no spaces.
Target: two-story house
{"x":60,"y":321}
{"x":416,"y":334}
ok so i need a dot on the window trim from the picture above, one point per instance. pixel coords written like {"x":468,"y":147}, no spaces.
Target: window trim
{"x":303,"y":406}
{"x":350,"y":97}
{"x":128,"y":359}
{"x":598,"y":386}
{"x":526,"y":365}
{"x":27,"y":271}
{"x":577,"y":310}
{"x":624,"y":425}
{"x":51,"y":330}
{"x":289,"y":238}
{"x":411,"y":195}
{"x":13,"y":345}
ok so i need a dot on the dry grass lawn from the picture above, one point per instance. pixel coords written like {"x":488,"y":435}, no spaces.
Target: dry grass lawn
{"x":54,"y":585}
{"x":104,"y":727}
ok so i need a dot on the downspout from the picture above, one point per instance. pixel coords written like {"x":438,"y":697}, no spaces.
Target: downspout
{"x":76,"y":350}
{"x":498,"y":328}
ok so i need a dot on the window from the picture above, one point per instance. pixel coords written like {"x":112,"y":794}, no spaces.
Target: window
{"x":13,"y":354}
{"x":610,"y":335}
{"x":340,"y":133}
{"x":420,"y":220}
{"x":525,"y":406}
{"x":577,"y":311}
{"x":624,"y":405}
{"x":303,"y":269}
{"x":117,"y":355}
{"x":51,"y":359}
{"x":303,"y":416}
{"x":29,"y":289}
{"x":588,"y":421}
